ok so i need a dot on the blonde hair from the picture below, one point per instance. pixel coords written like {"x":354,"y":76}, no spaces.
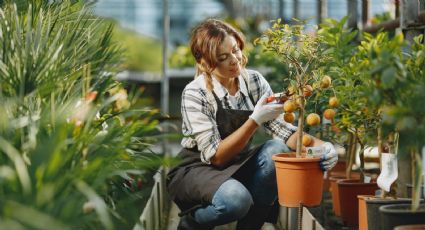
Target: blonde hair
{"x":204,"y":42}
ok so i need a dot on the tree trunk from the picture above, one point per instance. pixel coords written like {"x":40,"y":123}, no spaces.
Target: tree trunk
{"x":410,"y":21}
{"x":322,"y":10}
{"x":352,"y":14}
{"x":296,"y":9}
{"x":300,"y":129}
{"x":361,"y":156}
{"x":281,"y":8}
{"x":351,"y":154}
{"x":365,"y":12}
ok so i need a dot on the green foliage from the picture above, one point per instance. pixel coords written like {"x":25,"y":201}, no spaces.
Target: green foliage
{"x":354,"y":114}
{"x":181,"y":57}
{"x":380,"y":18}
{"x":303,"y":53}
{"x":69,"y":137}
{"x":397,"y":90}
{"x":396,"y":86}
{"x":140,"y":53}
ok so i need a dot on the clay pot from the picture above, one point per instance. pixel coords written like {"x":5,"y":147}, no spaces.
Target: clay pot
{"x":348,"y":192}
{"x":334,"y":189}
{"x":299,"y":180}
{"x":363,"y":211}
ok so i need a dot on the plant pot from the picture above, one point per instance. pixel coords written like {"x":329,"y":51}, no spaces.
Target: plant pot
{"x":410,"y":227}
{"x":400,"y":214}
{"x":334,"y":190}
{"x":374,"y":216}
{"x":363,"y":211}
{"x":299,"y":180}
{"x":409,"y":191}
{"x":338,"y":170}
{"x":340,"y":167}
{"x":349,"y":189}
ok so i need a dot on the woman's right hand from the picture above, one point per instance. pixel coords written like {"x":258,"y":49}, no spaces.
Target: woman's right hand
{"x":265,"y":112}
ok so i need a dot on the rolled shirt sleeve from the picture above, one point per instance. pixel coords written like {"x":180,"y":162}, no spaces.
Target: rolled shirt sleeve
{"x":199,"y":124}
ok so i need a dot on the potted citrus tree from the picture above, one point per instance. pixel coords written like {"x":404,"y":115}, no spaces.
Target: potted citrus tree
{"x":399,"y":91}
{"x":303,"y":54}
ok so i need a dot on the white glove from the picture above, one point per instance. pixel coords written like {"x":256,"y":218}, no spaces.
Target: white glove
{"x":265,"y":112}
{"x":329,"y":158}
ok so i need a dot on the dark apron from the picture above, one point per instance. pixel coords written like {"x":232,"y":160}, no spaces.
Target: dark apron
{"x":192,"y":184}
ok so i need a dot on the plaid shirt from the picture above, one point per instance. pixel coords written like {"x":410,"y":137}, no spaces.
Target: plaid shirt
{"x":199,"y":108}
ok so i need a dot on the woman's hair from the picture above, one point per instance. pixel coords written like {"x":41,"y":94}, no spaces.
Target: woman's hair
{"x":204,"y":43}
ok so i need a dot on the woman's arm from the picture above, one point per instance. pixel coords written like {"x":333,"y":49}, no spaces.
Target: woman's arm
{"x":234,"y":143}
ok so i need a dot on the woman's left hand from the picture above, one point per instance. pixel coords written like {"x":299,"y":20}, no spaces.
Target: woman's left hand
{"x":329,"y":158}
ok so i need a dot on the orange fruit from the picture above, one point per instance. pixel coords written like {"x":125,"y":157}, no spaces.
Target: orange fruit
{"x":307,"y":140}
{"x":333,"y":102}
{"x":325,"y":82}
{"x":313,"y":119}
{"x":270,"y":99}
{"x":289,"y":106}
{"x":329,"y":114}
{"x":289,"y":117}
{"x":308,"y":90}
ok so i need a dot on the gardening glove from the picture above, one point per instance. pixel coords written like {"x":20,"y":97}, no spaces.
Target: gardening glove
{"x":265,"y":112}
{"x":329,"y":158}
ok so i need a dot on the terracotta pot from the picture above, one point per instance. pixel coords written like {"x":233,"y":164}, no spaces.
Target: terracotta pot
{"x":299,"y":180}
{"x":334,"y":190}
{"x":349,"y":189}
{"x":339,"y":169}
{"x":400,"y":214}
{"x":340,"y":166}
{"x":363,"y":211}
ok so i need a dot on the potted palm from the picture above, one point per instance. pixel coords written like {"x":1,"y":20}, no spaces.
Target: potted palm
{"x":68,"y":141}
{"x":303,"y":54}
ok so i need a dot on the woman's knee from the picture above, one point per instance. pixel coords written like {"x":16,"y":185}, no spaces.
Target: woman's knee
{"x":234,"y":198}
{"x":265,"y":162}
{"x":275,"y":146}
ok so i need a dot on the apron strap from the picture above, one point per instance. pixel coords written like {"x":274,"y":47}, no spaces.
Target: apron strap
{"x":249,"y":94}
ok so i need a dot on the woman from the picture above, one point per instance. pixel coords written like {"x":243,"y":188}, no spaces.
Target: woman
{"x":221,"y":177}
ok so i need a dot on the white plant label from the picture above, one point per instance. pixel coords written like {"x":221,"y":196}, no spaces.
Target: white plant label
{"x":389,"y":172}
{"x":317,"y":151}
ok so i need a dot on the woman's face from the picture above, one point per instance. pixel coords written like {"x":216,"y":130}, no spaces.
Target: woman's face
{"x":229,"y":58}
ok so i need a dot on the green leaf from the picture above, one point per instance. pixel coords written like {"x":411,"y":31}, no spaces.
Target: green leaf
{"x":389,"y":77}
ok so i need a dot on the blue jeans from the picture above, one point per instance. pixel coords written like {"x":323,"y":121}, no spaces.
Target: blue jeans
{"x":233,"y":200}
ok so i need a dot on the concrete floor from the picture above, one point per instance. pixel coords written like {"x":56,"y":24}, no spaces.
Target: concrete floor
{"x":173,"y":221}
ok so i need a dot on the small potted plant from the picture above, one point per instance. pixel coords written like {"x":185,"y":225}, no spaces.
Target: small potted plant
{"x":303,"y":54}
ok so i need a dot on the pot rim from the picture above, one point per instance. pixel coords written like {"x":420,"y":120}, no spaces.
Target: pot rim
{"x":401,"y":209}
{"x":291,"y":157}
{"x":353,"y":182}
{"x":380,"y":200}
